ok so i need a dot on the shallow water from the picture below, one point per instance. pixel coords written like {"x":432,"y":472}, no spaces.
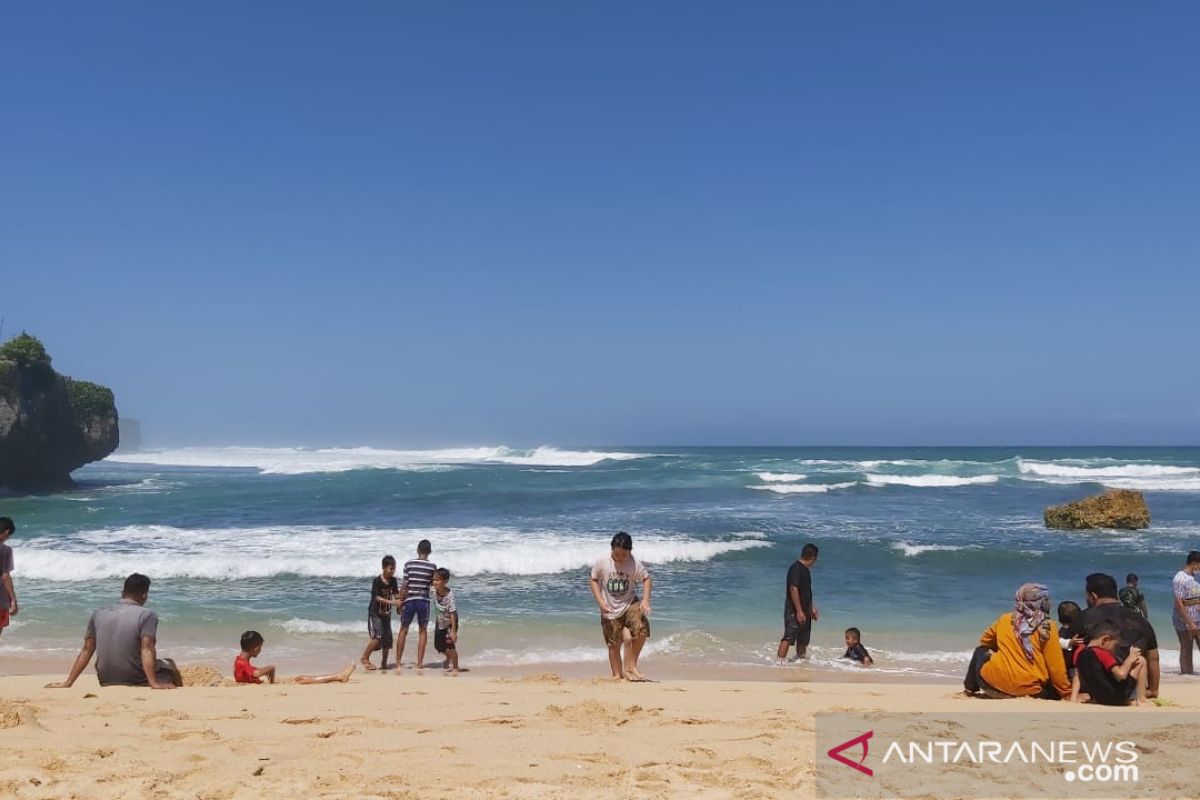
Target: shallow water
{"x":920,"y":547}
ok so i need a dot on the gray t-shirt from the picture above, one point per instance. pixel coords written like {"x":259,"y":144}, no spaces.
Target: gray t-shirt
{"x":118,"y":631}
{"x":618,"y":583}
{"x":6,"y":565}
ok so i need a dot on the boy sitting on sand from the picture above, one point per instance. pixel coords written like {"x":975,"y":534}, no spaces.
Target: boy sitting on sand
{"x":245,"y":672}
{"x":1100,"y":678}
{"x":855,"y":650}
{"x":445,"y":634}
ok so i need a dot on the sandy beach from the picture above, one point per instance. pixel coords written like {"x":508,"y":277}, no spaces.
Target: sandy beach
{"x":422,"y":735}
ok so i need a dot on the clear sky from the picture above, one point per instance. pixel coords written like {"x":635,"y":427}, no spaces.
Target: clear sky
{"x":629,"y":223}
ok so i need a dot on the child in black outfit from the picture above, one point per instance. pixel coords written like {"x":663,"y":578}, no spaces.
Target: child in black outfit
{"x":855,"y":650}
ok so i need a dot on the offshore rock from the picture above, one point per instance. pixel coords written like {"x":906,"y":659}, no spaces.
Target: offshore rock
{"x":131,"y":435}
{"x":1116,"y":508}
{"x":50,"y":425}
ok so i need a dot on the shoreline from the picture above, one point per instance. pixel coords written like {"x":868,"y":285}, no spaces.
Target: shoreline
{"x":478,"y":735}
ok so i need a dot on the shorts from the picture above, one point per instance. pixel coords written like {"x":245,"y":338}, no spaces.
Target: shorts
{"x":415,"y":608}
{"x":796,"y":633}
{"x":441,"y":640}
{"x":165,"y":671}
{"x":632,"y":620}
{"x":4,"y":620}
{"x":380,"y":628}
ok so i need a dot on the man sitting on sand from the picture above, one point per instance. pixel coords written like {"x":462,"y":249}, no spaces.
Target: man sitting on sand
{"x":1136,"y":630}
{"x":614,"y":587}
{"x":123,"y":638}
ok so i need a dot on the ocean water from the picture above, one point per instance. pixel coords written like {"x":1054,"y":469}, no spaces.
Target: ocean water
{"x":921,"y":548}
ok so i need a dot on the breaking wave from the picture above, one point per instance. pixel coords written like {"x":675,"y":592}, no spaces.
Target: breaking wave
{"x":805,"y":488}
{"x":937,"y":481}
{"x":299,"y":461}
{"x":779,"y":477}
{"x":238,"y":553}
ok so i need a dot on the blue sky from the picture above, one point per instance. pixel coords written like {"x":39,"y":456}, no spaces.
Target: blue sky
{"x":573,"y":223}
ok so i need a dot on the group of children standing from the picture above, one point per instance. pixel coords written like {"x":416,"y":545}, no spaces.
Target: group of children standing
{"x":425,"y":587}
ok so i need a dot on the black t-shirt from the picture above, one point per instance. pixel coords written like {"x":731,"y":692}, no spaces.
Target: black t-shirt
{"x":800,"y":577}
{"x":857,"y":653}
{"x":1136,"y":630}
{"x":1096,"y":678}
{"x":380,"y":588}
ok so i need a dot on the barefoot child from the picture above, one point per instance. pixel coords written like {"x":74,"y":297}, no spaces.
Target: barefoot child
{"x":445,"y":634}
{"x":1104,"y":679}
{"x":855,"y":650}
{"x":245,"y":672}
{"x":8,"y":595}
{"x":384,"y":590}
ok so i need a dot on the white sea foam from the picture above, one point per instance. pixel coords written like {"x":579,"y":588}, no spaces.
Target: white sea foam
{"x":936,"y":481}
{"x":1162,"y":485}
{"x":238,"y":553}
{"x":804,"y":488}
{"x":299,"y":625}
{"x":299,"y":461}
{"x":910,"y":550}
{"x":1127,"y":471}
{"x":779,"y":477}
{"x":581,"y":654}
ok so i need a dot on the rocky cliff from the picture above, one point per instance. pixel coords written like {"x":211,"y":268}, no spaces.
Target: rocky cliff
{"x":1116,"y":508}
{"x":50,"y":425}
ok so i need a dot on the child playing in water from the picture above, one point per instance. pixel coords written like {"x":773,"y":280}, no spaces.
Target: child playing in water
{"x":245,"y":672}
{"x":855,"y":650}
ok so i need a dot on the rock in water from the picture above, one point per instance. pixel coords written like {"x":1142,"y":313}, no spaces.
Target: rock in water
{"x":50,"y":425}
{"x":1116,"y":508}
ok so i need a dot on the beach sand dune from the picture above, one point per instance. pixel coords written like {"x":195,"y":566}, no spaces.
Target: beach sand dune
{"x":433,"y":736}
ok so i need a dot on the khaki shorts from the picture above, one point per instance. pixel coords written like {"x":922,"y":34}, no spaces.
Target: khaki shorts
{"x":632,"y":620}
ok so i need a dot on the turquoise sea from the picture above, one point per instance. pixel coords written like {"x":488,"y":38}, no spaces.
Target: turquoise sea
{"x":920,"y":547}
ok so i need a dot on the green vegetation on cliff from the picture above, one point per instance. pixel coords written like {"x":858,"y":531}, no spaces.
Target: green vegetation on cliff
{"x":89,"y":399}
{"x":50,"y":424}
{"x":30,"y":355}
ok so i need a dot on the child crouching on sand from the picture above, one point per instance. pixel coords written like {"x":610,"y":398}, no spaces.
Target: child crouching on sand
{"x":445,"y":634}
{"x":245,"y":672}
{"x":855,"y":650}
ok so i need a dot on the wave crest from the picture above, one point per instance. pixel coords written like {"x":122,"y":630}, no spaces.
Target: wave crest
{"x":225,"y":554}
{"x":927,"y":481}
{"x":805,"y":488}
{"x":300,"y":461}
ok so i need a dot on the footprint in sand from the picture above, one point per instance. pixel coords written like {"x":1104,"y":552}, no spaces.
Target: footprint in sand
{"x":205,"y":733}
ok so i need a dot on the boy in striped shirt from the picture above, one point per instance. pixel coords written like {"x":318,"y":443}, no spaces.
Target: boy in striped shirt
{"x":414,"y":591}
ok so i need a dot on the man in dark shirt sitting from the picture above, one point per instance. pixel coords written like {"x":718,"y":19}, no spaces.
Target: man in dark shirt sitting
{"x":1135,"y":630}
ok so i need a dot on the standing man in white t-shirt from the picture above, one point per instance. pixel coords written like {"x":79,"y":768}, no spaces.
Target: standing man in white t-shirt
{"x":1186,"y":614}
{"x":614,"y":587}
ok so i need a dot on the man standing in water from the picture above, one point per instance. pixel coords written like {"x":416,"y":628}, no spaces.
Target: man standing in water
{"x":799,"y":613}
{"x":1186,"y":613}
{"x":614,"y":587}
